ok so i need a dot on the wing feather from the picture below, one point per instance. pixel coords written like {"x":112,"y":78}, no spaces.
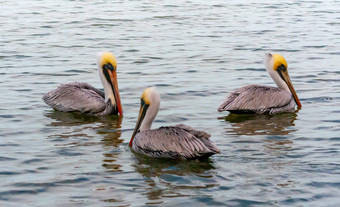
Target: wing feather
{"x":172,"y":142}
{"x":195,"y":132}
{"x":76,"y":96}
{"x":257,"y":99}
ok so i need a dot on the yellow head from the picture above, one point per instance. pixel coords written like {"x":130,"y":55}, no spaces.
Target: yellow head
{"x":106,"y":58}
{"x":147,"y":95}
{"x":277,"y":66}
{"x":279,"y":60}
{"x":107,"y":65}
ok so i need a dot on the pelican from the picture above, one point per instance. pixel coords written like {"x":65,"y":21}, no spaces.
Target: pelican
{"x":84,"y":98}
{"x":172,"y":142}
{"x":264,"y":99}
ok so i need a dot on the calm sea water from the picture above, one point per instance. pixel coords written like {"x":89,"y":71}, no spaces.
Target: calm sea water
{"x":195,"y":53}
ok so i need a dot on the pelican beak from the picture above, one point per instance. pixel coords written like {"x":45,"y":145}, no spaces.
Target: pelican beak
{"x":285,"y":76}
{"x":142,"y":111}
{"x":114,"y":85}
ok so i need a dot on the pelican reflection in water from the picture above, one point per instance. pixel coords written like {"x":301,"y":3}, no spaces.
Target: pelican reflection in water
{"x":174,"y":142}
{"x":80,"y":125}
{"x":281,"y":124}
{"x":158,"y":167}
{"x":84,"y":98}
{"x":161,"y":171}
{"x":264,"y":99}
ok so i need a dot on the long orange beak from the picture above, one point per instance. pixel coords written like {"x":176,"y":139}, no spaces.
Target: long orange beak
{"x":286,"y":78}
{"x":113,"y":77}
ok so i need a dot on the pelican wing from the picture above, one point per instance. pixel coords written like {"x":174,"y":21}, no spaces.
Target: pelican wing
{"x":173,"y":142}
{"x":257,"y":99}
{"x":197,"y":133}
{"x":76,"y":96}
{"x":202,"y":135}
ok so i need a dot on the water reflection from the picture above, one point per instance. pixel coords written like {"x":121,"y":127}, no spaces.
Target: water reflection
{"x":245,"y":124}
{"x":174,"y":176}
{"x":107,"y":126}
{"x":278,"y":144}
{"x":150,"y":167}
{"x":74,"y":119}
{"x":111,"y":162}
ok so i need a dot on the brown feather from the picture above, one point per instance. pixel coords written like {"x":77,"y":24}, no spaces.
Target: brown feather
{"x":258,"y":99}
{"x":174,"y":142}
{"x":78,"y":97}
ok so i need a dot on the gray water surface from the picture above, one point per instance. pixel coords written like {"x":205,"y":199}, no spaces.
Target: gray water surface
{"x":195,"y":53}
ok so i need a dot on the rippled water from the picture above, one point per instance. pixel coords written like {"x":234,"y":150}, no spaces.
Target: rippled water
{"x":195,"y":52}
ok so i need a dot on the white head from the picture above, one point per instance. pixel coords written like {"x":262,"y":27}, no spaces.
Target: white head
{"x":276,"y":66}
{"x":107,"y":67}
{"x":150,"y":101}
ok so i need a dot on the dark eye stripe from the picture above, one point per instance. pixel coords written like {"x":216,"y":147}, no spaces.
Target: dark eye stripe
{"x":108,"y":66}
{"x":106,"y":74}
{"x":281,"y":68}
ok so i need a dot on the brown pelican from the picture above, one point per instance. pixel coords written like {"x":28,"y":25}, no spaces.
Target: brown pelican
{"x":174,"y":142}
{"x":264,"y":99}
{"x":84,"y":98}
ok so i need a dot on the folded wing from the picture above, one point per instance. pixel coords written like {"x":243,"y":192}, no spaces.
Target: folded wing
{"x":257,"y":99}
{"x":175,"y":142}
{"x":76,"y":96}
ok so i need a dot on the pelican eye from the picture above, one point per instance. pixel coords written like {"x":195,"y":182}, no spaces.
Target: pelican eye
{"x":108,"y":66}
{"x":281,"y":68}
